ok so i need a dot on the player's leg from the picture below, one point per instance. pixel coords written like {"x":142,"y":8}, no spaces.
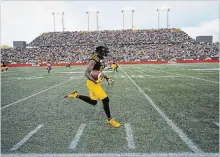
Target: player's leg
{"x":100,"y":93}
{"x":81,"y":97}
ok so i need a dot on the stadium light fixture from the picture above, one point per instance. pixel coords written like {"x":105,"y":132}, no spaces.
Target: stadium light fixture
{"x":88,"y":19}
{"x":97,"y":20}
{"x":54,"y":25}
{"x":127,"y":9}
{"x":158,"y":10}
{"x":165,"y":8}
{"x":96,"y":11}
{"x":123,"y":18}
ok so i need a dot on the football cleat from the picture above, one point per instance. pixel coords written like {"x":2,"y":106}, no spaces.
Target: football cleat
{"x":72,"y":95}
{"x":114,"y":123}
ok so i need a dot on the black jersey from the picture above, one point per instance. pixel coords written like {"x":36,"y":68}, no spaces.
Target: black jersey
{"x":97,"y":60}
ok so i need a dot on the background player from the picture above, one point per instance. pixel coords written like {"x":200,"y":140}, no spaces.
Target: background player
{"x":4,"y":66}
{"x":114,"y":65}
{"x":49,"y":65}
{"x":96,"y":92}
{"x":68,"y":65}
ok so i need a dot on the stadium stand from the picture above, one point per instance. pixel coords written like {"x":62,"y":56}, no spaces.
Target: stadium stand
{"x":127,"y":45}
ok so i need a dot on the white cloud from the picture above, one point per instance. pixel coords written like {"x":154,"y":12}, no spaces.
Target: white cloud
{"x":206,"y":28}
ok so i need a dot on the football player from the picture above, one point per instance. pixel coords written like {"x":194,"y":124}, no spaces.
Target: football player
{"x":96,"y":92}
{"x":114,"y":65}
{"x":68,"y":65}
{"x":49,"y":65}
{"x":4,"y":66}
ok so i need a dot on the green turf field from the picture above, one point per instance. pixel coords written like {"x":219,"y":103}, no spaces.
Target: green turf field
{"x":164,"y":110}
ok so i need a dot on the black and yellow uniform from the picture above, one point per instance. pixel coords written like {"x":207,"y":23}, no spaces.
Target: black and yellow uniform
{"x":95,"y":90}
{"x":4,"y":66}
{"x":114,"y":66}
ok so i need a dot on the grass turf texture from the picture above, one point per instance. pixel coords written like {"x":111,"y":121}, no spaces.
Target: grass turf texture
{"x":192,"y":104}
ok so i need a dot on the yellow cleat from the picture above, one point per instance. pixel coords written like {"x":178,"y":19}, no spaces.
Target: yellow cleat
{"x":72,"y":95}
{"x":113,"y":123}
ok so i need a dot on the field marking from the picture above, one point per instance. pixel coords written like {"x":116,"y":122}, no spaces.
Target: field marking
{"x":72,"y":72}
{"x":36,"y":94}
{"x":181,"y":134}
{"x":12,"y":79}
{"x":19,"y":144}
{"x":163,"y":76}
{"x":185,"y":154}
{"x":129,"y":136}
{"x":76,"y":139}
{"x":216,"y":123}
{"x":188,"y":76}
{"x":147,"y":89}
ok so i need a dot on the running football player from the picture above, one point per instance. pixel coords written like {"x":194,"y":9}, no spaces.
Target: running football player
{"x":96,"y":92}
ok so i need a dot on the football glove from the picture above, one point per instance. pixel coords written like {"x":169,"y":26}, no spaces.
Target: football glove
{"x":110,"y":81}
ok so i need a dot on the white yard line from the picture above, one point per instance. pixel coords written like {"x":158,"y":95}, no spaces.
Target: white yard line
{"x":216,"y":123}
{"x":163,"y":76}
{"x":76,"y":139}
{"x":187,"y":76}
{"x":181,"y":134}
{"x":129,"y":136}
{"x":186,"y":154}
{"x":6,"y":106}
{"x":19,"y":144}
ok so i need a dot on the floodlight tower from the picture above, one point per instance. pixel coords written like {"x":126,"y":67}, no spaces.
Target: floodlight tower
{"x":158,"y":10}
{"x":97,"y":20}
{"x":53,"y":21}
{"x":167,"y":9}
{"x":132,"y":18}
{"x":88,"y":19}
{"x":63,"y":21}
{"x":123,"y":19}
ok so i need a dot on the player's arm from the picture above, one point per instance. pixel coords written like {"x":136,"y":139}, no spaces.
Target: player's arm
{"x":89,"y":69}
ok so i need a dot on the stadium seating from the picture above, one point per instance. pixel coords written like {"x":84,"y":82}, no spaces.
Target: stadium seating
{"x":128,"y":45}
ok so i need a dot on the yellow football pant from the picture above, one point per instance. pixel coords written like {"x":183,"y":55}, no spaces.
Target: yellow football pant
{"x":95,"y":91}
{"x":113,"y":66}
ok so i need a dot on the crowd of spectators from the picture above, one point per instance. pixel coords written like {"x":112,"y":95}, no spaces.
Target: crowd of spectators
{"x":128,"y":45}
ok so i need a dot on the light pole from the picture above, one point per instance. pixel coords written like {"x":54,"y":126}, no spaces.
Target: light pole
{"x":158,"y":10}
{"x":97,"y":20}
{"x":167,"y":9}
{"x":132,"y":18}
{"x":123,"y":19}
{"x":53,"y":22}
{"x":126,"y":9}
{"x":63,"y":21}
{"x":88,"y":19}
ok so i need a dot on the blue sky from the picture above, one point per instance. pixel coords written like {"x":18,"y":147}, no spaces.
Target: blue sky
{"x":25,"y":20}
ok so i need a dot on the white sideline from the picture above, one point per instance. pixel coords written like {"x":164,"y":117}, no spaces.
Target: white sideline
{"x":129,"y":136}
{"x":34,"y":94}
{"x":184,"y":154}
{"x":76,"y":139}
{"x":187,"y":76}
{"x":181,"y":134}
{"x":19,"y":144}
